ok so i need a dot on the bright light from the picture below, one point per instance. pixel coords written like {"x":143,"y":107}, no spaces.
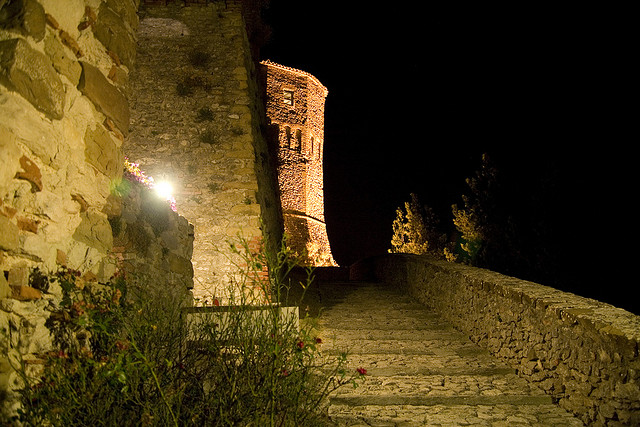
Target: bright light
{"x":164,"y":190}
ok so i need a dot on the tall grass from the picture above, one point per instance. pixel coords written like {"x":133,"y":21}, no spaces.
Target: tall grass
{"x":128,"y":354}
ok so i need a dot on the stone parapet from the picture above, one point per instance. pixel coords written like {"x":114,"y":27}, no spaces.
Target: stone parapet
{"x":582,"y":352}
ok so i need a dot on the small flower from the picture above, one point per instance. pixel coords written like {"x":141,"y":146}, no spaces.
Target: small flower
{"x":300,"y":344}
{"x":122,"y":345}
{"x":318,"y":340}
{"x":285,"y":373}
{"x":361,"y":371}
{"x":117,"y":294}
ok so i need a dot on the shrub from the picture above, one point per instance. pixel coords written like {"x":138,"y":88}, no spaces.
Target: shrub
{"x":128,"y":354}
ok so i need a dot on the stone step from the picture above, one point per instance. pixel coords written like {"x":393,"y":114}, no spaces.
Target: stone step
{"x":435,"y":346}
{"x":433,"y":386}
{"x":444,"y":336}
{"x":495,"y":415}
{"x":420,"y":370}
{"x":416,"y":400}
{"x":377,"y":323}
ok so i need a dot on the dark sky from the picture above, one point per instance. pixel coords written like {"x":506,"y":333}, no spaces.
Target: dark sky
{"x":416,"y":95}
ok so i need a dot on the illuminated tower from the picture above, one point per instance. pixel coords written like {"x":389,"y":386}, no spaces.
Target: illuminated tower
{"x":295,"y":113}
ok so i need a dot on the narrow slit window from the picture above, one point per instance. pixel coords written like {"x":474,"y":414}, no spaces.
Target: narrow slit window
{"x":299,"y":140}
{"x":287,"y":135}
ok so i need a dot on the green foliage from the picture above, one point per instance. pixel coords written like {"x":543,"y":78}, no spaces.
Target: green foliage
{"x":127,"y":355}
{"x":415,"y":230}
{"x":475,"y":221}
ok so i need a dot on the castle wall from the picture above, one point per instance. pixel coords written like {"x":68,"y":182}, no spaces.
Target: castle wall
{"x":197,"y":121}
{"x":582,"y":352}
{"x":64,"y":115}
{"x":295,"y":103}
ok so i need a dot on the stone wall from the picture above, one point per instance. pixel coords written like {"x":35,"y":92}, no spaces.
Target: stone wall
{"x":197,"y":121}
{"x":64,"y":115}
{"x":582,"y":352}
{"x":63,"y":118}
{"x":152,"y":244}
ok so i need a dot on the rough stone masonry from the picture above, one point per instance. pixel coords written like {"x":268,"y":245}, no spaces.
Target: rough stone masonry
{"x":64,"y":115}
{"x":197,"y":121}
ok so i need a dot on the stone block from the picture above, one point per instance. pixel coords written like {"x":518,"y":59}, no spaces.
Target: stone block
{"x":94,"y":231}
{"x":30,"y":172}
{"x":63,"y":61}
{"x":30,"y":73}
{"x":25,"y":293}
{"x":5,"y":290}
{"x":9,"y":156}
{"x":128,"y":11}
{"x":102,"y":152}
{"x":9,"y":235}
{"x":34,"y":131}
{"x":111,"y":31}
{"x":179,"y":265}
{"x":105,"y":96}
{"x":18,"y":276}
{"x":27,"y":16}
{"x":28,"y":224}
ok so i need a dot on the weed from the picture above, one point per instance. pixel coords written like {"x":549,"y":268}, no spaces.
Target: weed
{"x":199,"y":58}
{"x":204,"y":114}
{"x":189,"y":84}
{"x":214,"y":187}
{"x":137,"y":354}
{"x":208,"y":137}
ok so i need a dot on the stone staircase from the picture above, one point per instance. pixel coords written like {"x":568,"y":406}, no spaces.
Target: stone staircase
{"x":420,"y":371}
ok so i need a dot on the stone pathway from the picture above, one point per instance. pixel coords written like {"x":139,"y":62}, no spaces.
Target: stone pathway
{"x":420,"y":371}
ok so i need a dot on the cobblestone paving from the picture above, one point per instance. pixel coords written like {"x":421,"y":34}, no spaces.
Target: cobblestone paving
{"x":420,"y":371}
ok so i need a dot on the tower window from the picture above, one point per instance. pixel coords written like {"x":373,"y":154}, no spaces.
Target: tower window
{"x":299,"y":140}
{"x":288,"y":97}
{"x":287,"y":133}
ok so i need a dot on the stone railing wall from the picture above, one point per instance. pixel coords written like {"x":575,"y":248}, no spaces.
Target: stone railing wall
{"x":582,"y":352}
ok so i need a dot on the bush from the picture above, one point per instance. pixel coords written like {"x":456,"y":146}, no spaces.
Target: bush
{"x":416,"y":230}
{"x":131,"y":355}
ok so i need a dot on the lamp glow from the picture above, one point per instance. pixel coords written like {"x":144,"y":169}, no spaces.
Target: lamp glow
{"x":164,"y":190}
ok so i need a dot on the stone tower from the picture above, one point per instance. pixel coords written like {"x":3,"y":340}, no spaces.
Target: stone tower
{"x":295,"y":103}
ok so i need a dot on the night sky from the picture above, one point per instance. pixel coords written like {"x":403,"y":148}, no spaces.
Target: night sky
{"x":416,"y":95}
